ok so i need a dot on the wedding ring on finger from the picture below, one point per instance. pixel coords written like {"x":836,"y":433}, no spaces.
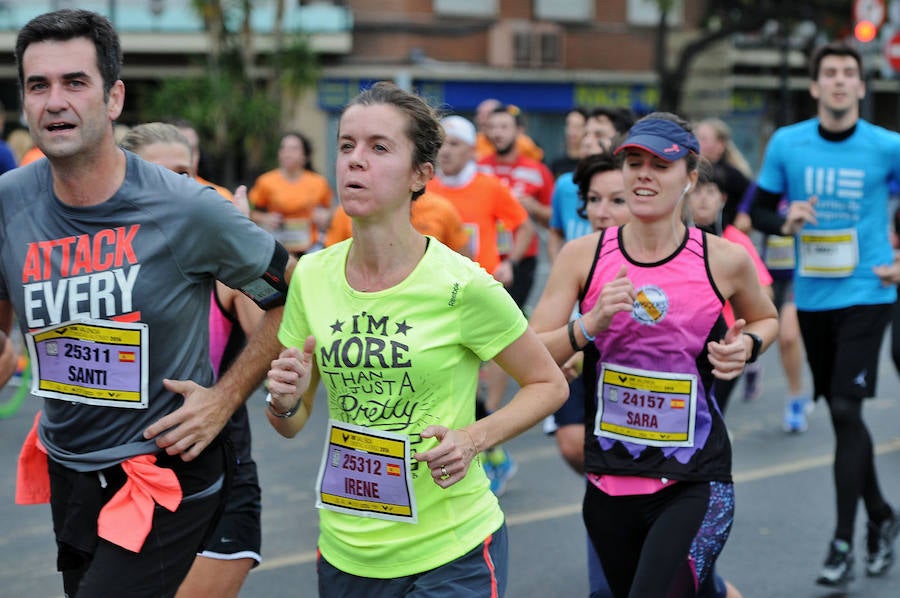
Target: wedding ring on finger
{"x":444,"y":474}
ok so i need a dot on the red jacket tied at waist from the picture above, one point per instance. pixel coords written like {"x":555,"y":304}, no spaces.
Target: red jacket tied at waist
{"x":32,"y":477}
{"x":127,"y":518}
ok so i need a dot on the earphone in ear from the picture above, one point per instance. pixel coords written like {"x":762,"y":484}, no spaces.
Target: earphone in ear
{"x":686,"y":189}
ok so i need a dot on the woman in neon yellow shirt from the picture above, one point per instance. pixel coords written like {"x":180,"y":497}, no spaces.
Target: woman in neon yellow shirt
{"x":396,"y":325}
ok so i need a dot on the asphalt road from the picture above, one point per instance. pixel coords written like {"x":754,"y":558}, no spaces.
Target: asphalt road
{"x":783,"y":487}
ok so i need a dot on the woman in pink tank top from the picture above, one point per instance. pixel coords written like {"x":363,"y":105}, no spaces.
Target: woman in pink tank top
{"x":659,"y":504}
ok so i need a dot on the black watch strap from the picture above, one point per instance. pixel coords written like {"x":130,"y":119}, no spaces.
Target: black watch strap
{"x":757,"y":345}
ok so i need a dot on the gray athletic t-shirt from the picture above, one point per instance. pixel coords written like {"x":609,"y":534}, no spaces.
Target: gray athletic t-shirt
{"x":150,"y":254}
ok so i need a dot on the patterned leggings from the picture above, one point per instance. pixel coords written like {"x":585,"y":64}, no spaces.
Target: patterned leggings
{"x":661,"y":544}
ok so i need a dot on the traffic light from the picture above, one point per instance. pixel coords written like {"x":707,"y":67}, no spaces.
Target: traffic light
{"x":865,"y":31}
{"x":868,"y":16}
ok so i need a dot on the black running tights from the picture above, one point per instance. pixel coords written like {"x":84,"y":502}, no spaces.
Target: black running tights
{"x":854,"y":467}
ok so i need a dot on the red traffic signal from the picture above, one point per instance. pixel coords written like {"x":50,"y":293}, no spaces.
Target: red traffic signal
{"x":865,"y":31}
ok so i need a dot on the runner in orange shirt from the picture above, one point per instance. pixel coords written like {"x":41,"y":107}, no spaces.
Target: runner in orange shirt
{"x":292,"y":201}
{"x":530,"y":182}
{"x":482,"y":200}
{"x":525,"y":145}
{"x":32,"y":155}
{"x":430,"y":214}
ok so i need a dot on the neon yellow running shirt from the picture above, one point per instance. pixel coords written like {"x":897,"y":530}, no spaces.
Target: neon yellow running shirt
{"x":400,"y":360}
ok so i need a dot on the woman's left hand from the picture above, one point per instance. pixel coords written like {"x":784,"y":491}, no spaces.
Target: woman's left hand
{"x":448,"y":461}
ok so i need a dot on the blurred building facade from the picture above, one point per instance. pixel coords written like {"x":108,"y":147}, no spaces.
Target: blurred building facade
{"x":545,"y":56}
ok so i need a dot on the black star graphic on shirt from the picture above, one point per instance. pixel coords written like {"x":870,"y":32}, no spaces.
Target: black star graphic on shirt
{"x":338,"y":326}
{"x":402,"y":327}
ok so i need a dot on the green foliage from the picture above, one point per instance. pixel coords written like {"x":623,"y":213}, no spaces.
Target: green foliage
{"x":297,"y":65}
{"x":236,"y":105}
{"x":224,"y":97}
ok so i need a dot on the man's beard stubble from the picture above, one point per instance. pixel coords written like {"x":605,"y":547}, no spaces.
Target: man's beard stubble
{"x":505,"y":151}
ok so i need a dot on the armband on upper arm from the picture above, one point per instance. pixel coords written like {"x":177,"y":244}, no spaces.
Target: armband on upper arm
{"x":270,"y":289}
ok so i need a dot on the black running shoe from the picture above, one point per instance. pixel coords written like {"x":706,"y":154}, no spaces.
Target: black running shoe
{"x":838,"y":567}
{"x":880,"y":545}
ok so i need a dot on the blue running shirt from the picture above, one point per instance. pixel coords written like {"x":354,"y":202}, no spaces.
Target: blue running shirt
{"x":850,"y":179}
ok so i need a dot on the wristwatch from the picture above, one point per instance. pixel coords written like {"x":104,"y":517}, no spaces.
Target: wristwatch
{"x":757,"y":345}
{"x":289,"y":413}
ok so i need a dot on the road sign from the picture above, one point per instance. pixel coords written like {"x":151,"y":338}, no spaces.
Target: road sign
{"x":869,"y":10}
{"x":894,"y":12}
{"x":892,"y":52}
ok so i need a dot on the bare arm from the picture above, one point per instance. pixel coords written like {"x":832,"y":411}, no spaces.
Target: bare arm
{"x":515,"y":218}
{"x":524,"y":234}
{"x":293,"y":375}
{"x":6,"y":317}
{"x":539,"y":212}
{"x":555,"y":242}
{"x":267,"y":220}
{"x":8,"y":357}
{"x":522,"y":239}
{"x":240,"y":200}
{"x":735,"y":275}
{"x":564,"y":285}
{"x":193,"y":426}
{"x":542,"y":389}
{"x":248,"y":313}
{"x":322,"y":217}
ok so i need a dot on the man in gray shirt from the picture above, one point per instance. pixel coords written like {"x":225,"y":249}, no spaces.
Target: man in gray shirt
{"x":108,"y":263}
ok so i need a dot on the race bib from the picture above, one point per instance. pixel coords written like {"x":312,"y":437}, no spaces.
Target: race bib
{"x":365,"y":472}
{"x":296,"y":234}
{"x":829,"y":253}
{"x":646,"y":407}
{"x":473,"y":246}
{"x":96,"y":362}
{"x":504,"y":239}
{"x":780,"y":253}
